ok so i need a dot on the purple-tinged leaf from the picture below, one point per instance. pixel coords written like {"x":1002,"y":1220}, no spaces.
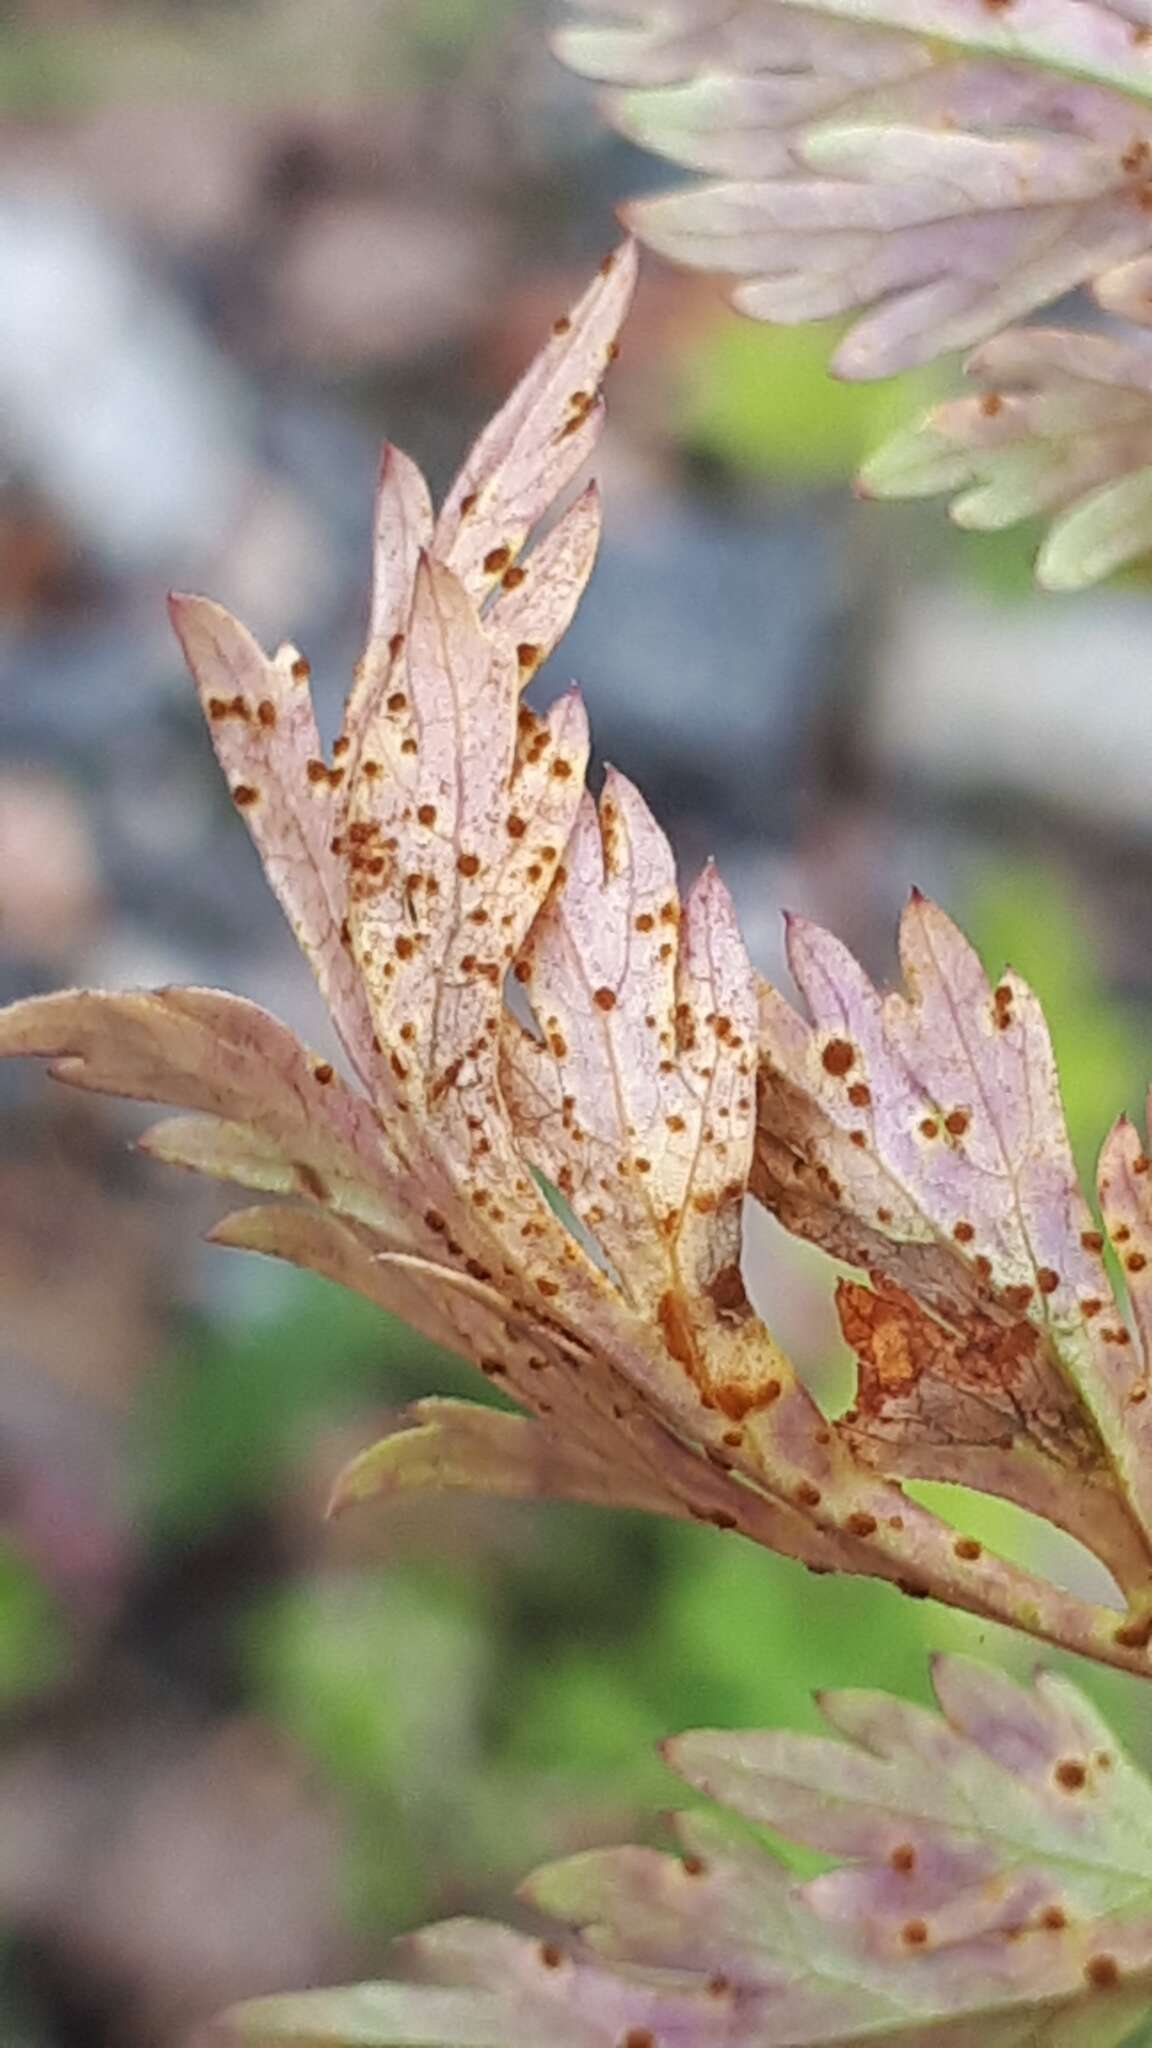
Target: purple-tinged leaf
{"x":403,"y":527}
{"x":921,"y":1137}
{"x":532,"y":615}
{"x":448,"y":845}
{"x":995,"y":1891}
{"x":638,"y":1098}
{"x":260,"y":716}
{"x":1062,"y":429}
{"x":538,"y":441}
{"x":902,"y":158}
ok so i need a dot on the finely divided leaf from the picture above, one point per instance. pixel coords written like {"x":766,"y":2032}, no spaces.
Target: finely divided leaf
{"x":446,"y":849}
{"x":920,"y":1136}
{"x":995,"y":1891}
{"x":1062,"y":430}
{"x":538,"y":441}
{"x":905,"y":159}
{"x":637,"y":1099}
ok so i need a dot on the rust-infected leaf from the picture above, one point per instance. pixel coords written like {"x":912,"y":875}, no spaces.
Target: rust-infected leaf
{"x":991,"y":1888}
{"x":445,"y":852}
{"x":921,"y":1136}
{"x":539,"y":440}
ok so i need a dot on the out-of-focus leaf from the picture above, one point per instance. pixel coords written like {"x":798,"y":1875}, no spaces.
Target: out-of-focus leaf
{"x":1062,"y":430}
{"x":946,"y":165}
{"x":994,"y":1889}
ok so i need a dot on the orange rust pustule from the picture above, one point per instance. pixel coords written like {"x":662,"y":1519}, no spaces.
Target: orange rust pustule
{"x":676,"y":1329}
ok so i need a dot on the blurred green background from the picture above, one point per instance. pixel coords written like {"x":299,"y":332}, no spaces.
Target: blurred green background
{"x":239,"y":243}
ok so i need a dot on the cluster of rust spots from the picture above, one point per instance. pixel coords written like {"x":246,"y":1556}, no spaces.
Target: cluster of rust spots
{"x":605,"y":999}
{"x":368,"y":854}
{"x":1135,"y":1262}
{"x":1047,"y":1279}
{"x":1002,"y":1000}
{"x":957,"y":1122}
{"x":468,"y":865}
{"x":860,"y":1095}
{"x":807,"y":1495}
{"x":561,"y":768}
{"x":236,"y":707}
{"x":426,"y":814}
{"x":318,"y":772}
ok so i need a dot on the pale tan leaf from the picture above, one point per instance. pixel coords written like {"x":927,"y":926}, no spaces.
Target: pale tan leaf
{"x":539,"y":440}
{"x":532,"y":615}
{"x":259,"y":713}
